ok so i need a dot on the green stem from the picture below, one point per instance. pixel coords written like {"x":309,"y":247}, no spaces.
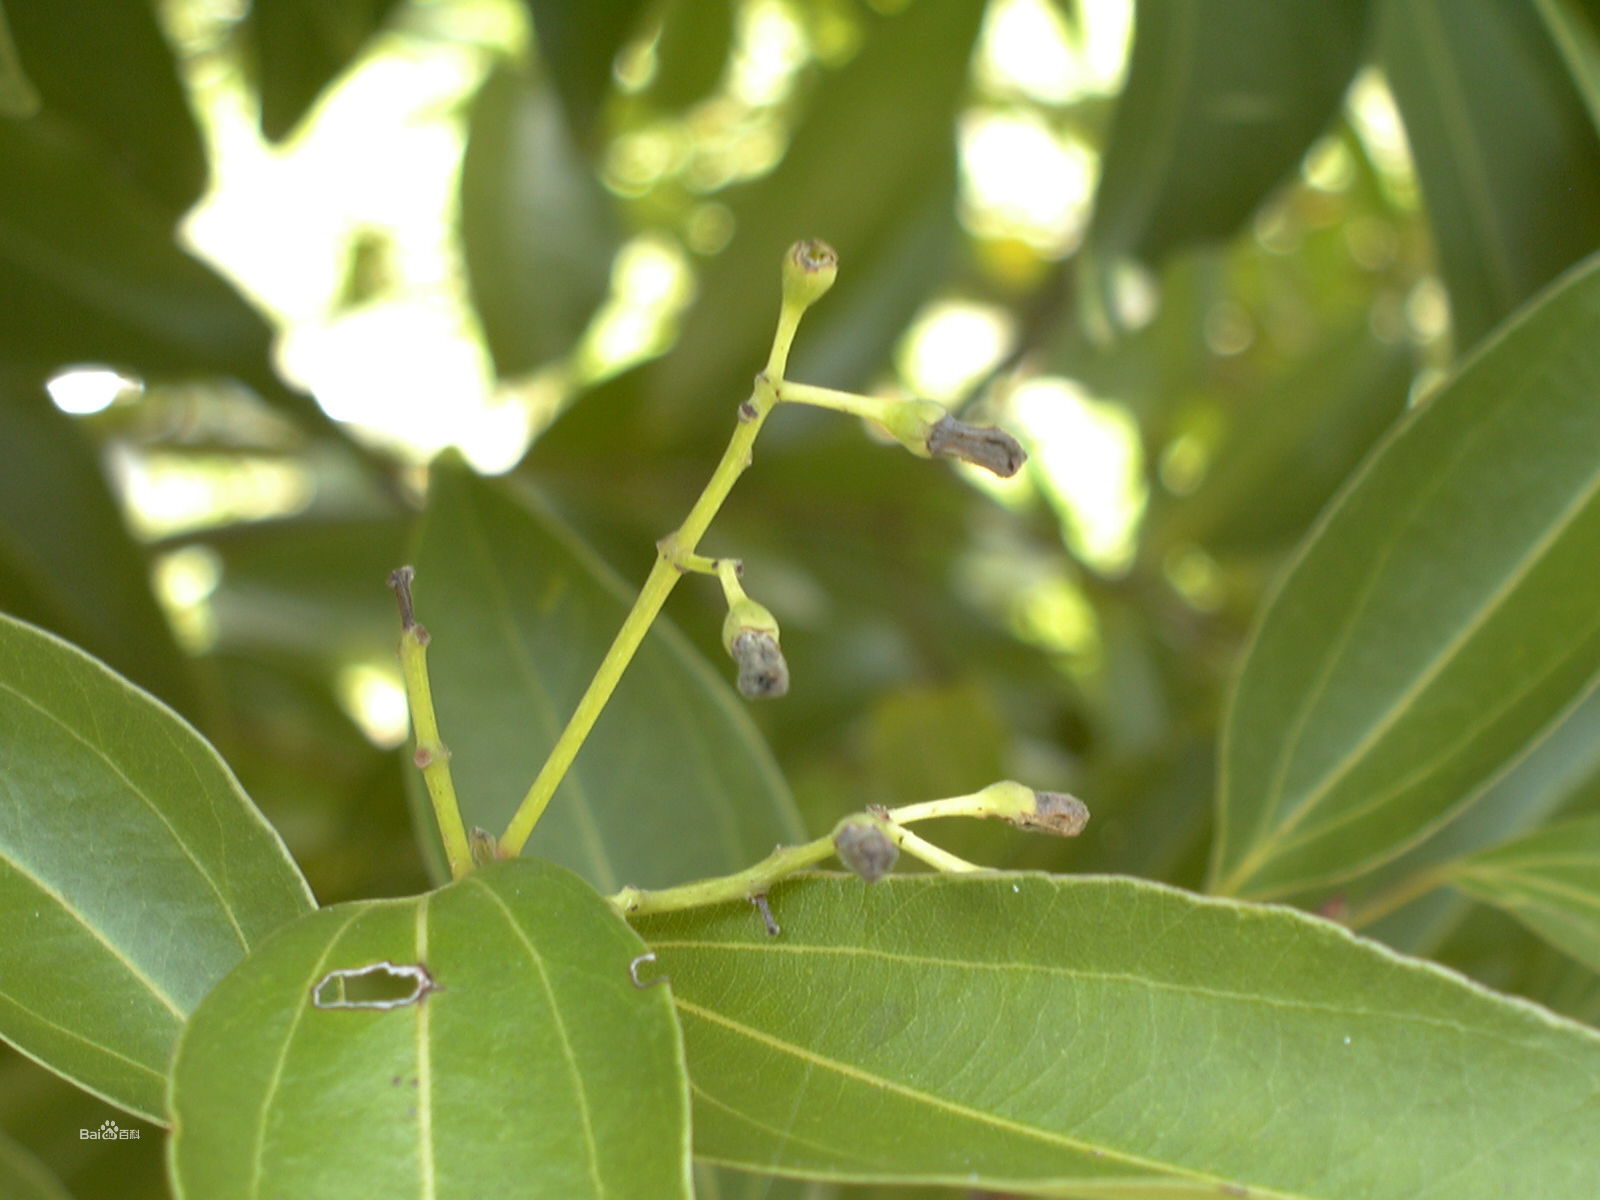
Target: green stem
{"x":870,"y":408}
{"x":674,"y":550}
{"x":431,"y":755}
{"x":786,"y":860}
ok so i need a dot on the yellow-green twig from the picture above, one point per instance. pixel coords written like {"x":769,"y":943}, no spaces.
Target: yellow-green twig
{"x":431,"y":755}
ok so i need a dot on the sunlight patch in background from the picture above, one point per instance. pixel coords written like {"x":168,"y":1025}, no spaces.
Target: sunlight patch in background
{"x":372,"y":695}
{"x":1087,"y":463}
{"x":366,"y":192}
{"x":84,"y":390}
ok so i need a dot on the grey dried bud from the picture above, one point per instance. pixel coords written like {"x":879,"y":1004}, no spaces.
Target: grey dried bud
{"x":1054,"y":812}
{"x":400,"y":580}
{"x":864,"y":847}
{"x":981,"y":445}
{"x":763,"y":673}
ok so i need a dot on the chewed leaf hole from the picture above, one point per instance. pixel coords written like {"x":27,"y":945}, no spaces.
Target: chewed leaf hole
{"x":377,"y":986}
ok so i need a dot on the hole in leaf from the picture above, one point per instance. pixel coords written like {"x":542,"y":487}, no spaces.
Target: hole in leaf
{"x":378,"y":986}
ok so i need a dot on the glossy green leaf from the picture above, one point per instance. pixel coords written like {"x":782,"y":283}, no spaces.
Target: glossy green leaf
{"x":1549,"y":880}
{"x":133,"y":871}
{"x":578,"y":43}
{"x":536,"y":225}
{"x":871,"y":171}
{"x":1505,"y":153}
{"x":24,"y":1177}
{"x":518,"y":1059}
{"x":1442,"y":617}
{"x":134,"y":120}
{"x":300,"y":46}
{"x":1113,"y":1037}
{"x":1223,"y":99}
{"x":673,"y":783}
{"x":67,"y":560}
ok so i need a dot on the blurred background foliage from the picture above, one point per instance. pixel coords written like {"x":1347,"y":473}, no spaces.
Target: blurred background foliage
{"x":262,"y":260}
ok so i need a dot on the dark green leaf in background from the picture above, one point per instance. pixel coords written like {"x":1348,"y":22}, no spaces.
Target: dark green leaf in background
{"x":18,"y":96}
{"x":133,"y":871}
{"x":1223,"y":99}
{"x":578,"y":43}
{"x":1442,"y":617}
{"x":1506,"y":154}
{"x":674,"y":783}
{"x":1290,"y":445}
{"x":91,"y":273}
{"x":24,"y":1177}
{"x":860,"y":174}
{"x":109,"y":84}
{"x":528,"y":1064}
{"x":691,"y":51}
{"x":1549,"y":880}
{"x":300,"y":46}
{"x":1113,"y":1037}
{"x":67,"y":560}
{"x":536,"y":225}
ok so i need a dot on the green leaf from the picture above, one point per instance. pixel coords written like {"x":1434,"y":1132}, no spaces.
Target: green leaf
{"x":674,"y":783}
{"x":578,"y":42}
{"x":134,"y":120}
{"x":24,"y":1177}
{"x":91,"y":272}
{"x":133,"y":871}
{"x":1223,"y":99}
{"x":1572,"y":28}
{"x":1105,"y":1037}
{"x":536,"y":225}
{"x":691,"y":51}
{"x":18,"y":96}
{"x":871,"y":170}
{"x":521,"y":1061}
{"x":1442,"y":617}
{"x":1549,"y":880}
{"x":1290,"y":444}
{"x":1507,"y":158}
{"x":67,"y":560}
{"x":300,"y":46}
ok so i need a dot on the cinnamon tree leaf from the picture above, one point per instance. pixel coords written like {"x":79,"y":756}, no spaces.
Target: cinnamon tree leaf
{"x":134,"y":872}
{"x":482,"y":1040}
{"x":1442,"y":617}
{"x":1112,"y":1037}
{"x":1549,"y":880}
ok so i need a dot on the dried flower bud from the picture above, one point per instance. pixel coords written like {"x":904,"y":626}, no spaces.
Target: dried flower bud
{"x":981,"y":445}
{"x":763,"y":673}
{"x":809,"y":270}
{"x":1044,"y":812}
{"x":1054,"y":812}
{"x":865,"y":847}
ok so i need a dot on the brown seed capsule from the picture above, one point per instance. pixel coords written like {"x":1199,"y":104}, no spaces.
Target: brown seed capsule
{"x":1054,"y":812}
{"x":981,"y":445}
{"x":864,"y":847}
